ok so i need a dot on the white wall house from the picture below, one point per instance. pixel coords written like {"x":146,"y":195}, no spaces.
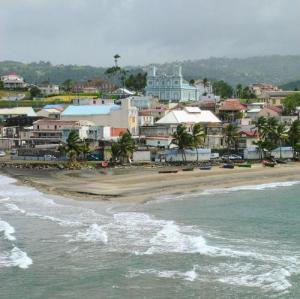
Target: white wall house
{"x":49,"y":89}
{"x":13,"y":81}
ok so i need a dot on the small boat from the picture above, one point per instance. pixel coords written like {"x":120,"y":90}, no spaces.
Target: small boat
{"x":168,"y":171}
{"x":247,"y":165}
{"x":269,"y":163}
{"x":205,"y":167}
{"x":188,"y":169}
{"x":228,"y":165}
{"x":279,"y":161}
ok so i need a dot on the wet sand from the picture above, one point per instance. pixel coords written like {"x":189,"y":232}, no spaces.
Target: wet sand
{"x":141,"y":184}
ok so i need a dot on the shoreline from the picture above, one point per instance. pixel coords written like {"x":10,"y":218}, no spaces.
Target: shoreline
{"x":142,"y":184}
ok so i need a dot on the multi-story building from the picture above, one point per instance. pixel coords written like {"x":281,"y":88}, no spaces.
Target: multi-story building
{"x":49,"y":89}
{"x":13,"y":81}
{"x":171,"y":88}
{"x":111,"y":115}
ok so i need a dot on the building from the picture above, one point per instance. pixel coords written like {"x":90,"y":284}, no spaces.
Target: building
{"x":260,"y":88}
{"x":204,"y":87}
{"x":171,"y":88}
{"x":231,"y":110}
{"x":6,"y":113}
{"x":49,"y":89}
{"x":13,"y":81}
{"x":109,"y":115}
{"x":160,"y":134}
{"x":52,"y":113}
{"x":275,"y":97}
{"x":97,"y":101}
{"x":93,"y":86}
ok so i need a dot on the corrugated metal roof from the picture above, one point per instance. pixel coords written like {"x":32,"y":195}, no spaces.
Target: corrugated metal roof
{"x":18,"y":111}
{"x":90,"y":109}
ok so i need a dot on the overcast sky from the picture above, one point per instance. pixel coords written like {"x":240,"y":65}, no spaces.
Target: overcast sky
{"x":146,"y":31}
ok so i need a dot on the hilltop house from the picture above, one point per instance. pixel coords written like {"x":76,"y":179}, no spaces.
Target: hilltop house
{"x":13,"y":81}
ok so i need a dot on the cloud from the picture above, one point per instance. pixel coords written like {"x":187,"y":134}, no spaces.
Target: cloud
{"x":144,"y":31}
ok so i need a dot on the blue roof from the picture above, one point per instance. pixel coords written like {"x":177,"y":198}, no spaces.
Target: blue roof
{"x":51,"y":106}
{"x":90,"y":109}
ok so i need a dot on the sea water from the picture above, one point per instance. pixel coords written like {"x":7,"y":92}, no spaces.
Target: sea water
{"x":241,"y":242}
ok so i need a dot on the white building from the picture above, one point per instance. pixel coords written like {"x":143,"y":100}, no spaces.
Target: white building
{"x":49,"y":89}
{"x":111,"y":115}
{"x":6,"y":113}
{"x":13,"y":81}
{"x":171,"y":87}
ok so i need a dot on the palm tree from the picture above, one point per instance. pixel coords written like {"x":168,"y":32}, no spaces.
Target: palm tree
{"x":126,"y":146}
{"x":72,"y":148}
{"x":115,"y":151}
{"x":182,"y":139}
{"x":116,"y":57}
{"x":85,"y":149}
{"x":231,"y":136}
{"x":281,"y":135}
{"x":198,"y":137}
{"x":294,"y":134}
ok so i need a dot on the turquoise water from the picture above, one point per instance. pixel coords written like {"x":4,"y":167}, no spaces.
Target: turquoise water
{"x":231,"y":243}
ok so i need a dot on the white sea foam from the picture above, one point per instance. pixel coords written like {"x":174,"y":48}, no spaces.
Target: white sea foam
{"x":94,"y":233}
{"x":15,"y":258}
{"x":7,"y":230}
{"x":191,"y":275}
{"x":14,"y":208}
{"x":257,"y":187}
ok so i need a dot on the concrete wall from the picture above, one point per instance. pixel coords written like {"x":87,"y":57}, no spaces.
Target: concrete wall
{"x":174,"y":155}
{"x":142,"y":156}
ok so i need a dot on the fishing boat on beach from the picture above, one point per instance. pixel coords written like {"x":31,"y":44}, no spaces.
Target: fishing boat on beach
{"x":168,"y":171}
{"x":228,"y":165}
{"x":188,"y":169}
{"x":205,"y":167}
{"x":269,"y":163}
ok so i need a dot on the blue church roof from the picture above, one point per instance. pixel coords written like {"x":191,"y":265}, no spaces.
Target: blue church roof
{"x":90,"y":109}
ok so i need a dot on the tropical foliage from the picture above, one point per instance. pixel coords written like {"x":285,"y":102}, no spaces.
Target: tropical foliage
{"x":231,"y":136}
{"x":184,"y":139}
{"x":123,"y":149}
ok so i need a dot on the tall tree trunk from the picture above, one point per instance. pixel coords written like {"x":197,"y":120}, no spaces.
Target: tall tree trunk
{"x":197,"y":155}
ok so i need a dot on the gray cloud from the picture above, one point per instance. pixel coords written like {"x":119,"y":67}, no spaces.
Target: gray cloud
{"x":144,"y":31}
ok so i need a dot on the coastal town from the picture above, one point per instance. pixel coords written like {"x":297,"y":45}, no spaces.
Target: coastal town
{"x":167,"y":120}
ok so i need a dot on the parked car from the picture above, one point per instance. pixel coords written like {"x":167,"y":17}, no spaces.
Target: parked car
{"x":49,"y":157}
{"x":14,"y":151}
{"x":231,"y":157}
{"x":92,"y":157}
{"x":2,"y":154}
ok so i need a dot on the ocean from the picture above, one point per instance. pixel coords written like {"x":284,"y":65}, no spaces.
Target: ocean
{"x":241,"y":242}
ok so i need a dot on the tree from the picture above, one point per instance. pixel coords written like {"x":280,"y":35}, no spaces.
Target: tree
{"x":231,"y":136}
{"x":126,"y":146}
{"x":35,"y":92}
{"x":281,"y":135}
{"x":73,"y":146}
{"x":192,"y":82}
{"x":182,"y":139}
{"x":294,"y":134}
{"x":1,"y":85}
{"x":115,"y":151}
{"x":239,"y":90}
{"x":290,"y":103}
{"x":68,"y":84}
{"x":198,"y":137}
{"x":116,"y":57}
{"x":222,"y":89}
{"x":85,"y":149}
{"x":136,"y":82}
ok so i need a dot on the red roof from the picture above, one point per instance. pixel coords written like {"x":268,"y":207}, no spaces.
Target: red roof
{"x":275,"y":108}
{"x":249,"y":133}
{"x":232,"y":105}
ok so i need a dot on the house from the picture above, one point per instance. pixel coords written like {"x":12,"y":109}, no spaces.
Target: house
{"x":230,"y":110}
{"x":160,"y":134}
{"x":96,"y":101}
{"x":270,"y":111}
{"x":260,"y":88}
{"x":107,"y":115}
{"x":247,"y":139}
{"x":143,"y":102}
{"x":145,"y":119}
{"x":52,"y":113}
{"x":171,"y":88}
{"x":6,"y":113}
{"x":48,"y":89}
{"x":122,"y":93}
{"x":93,"y":86}
{"x":204,"y":88}
{"x":13,"y":81}
{"x":275,"y":97}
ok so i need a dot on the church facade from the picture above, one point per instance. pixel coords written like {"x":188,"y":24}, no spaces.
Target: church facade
{"x":171,"y":88}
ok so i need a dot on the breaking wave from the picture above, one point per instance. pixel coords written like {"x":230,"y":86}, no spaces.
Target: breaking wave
{"x":15,"y":258}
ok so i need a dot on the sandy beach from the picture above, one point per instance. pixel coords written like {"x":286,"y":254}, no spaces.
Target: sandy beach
{"x":141,"y":184}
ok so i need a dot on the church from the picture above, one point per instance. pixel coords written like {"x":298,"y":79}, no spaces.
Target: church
{"x":171,"y":88}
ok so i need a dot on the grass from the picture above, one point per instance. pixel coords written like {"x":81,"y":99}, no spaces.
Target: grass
{"x":8,"y":93}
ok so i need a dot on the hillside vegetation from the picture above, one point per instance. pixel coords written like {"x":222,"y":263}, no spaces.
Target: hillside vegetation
{"x":278,"y":70}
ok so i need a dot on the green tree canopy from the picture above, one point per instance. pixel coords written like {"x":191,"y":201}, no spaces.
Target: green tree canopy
{"x":290,"y":103}
{"x":222,"y":89}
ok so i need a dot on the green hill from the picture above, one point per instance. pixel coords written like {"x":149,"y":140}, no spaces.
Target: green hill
{"x":291,"y":85}
{"x":269,"y":69}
